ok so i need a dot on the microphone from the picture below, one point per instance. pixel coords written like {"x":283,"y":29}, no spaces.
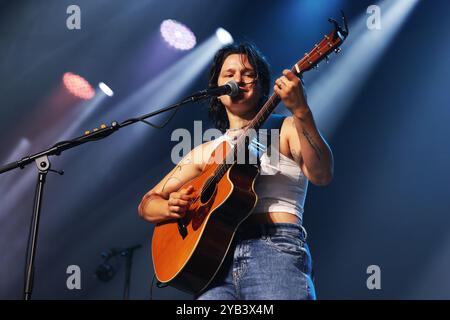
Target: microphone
{"x":231,"y":88}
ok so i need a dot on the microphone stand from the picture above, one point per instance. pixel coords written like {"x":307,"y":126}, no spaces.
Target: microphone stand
{"x":128,"y":253}
{"x":43,"y":165}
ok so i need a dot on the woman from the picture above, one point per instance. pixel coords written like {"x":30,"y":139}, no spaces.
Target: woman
{"x":269,"y":259}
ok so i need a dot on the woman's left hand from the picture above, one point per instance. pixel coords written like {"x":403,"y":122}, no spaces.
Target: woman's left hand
{"x":290,"y":89}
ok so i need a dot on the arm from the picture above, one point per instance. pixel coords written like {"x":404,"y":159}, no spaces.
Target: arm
{"x":165,"y":201}
{"x":316,"y":159}
{"x":306,"y":144}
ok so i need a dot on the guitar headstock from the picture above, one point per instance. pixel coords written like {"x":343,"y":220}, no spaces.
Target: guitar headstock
{"x":329,"y":44}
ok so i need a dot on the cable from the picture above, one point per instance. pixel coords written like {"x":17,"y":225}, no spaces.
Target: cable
{"x":151,"y":287}
{"x":154,"y":125}
{"x":160,"y":285}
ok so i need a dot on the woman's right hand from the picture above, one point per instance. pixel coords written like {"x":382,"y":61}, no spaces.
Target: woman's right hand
{"x":179,"y":202}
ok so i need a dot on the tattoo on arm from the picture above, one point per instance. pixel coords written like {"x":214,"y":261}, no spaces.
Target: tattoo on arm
{"x":313,"y":144}
{"x":295,"y":154}
{"x":177,"y":170}
{"x":170,"y":178}
{"x":149,"y":197}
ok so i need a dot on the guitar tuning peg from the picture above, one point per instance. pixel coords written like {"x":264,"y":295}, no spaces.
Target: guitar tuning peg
{"x":327,"y":60}
{"x":337,"y":50}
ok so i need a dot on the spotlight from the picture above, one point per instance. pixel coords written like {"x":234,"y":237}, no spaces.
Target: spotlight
{"x":362,"y":51}
{"x":78,"y":86}
{"x":106,"y":90}
{"x":224,"y":36}
{"x":177,"y":35}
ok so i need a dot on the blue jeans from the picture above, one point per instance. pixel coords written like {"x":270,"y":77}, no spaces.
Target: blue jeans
{"x":272,"y":263}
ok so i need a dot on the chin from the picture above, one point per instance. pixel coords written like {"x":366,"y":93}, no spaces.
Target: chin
{"x":239,"y":100}
{"x":241,"y":104}
{"x":240,"y":107}
{"x":243,"y":98}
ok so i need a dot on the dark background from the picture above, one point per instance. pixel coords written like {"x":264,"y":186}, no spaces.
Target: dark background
{"x":388,"y":204}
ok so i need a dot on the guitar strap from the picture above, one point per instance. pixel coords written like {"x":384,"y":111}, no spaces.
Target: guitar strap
{"x":258,"y":146}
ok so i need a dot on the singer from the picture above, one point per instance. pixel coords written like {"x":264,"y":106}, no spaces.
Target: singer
{"x":269,"y":257}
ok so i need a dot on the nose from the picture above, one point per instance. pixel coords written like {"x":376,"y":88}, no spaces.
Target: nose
{"x":238,"y":78}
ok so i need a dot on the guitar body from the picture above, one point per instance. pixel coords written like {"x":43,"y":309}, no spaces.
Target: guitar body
{"x":188,"y":252}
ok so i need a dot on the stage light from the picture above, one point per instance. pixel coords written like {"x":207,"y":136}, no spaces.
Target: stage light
{"x":157,"y":90}
{"x":160,"y":94}
{"x":224,"y":36}
{"x":177,"y":35}
{"x":78,"y":86}
{"x":106,"y":90}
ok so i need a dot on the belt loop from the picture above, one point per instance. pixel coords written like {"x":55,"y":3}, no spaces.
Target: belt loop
{"x":304,"y":232}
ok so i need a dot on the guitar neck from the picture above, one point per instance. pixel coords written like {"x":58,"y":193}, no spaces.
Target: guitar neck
{"x":265,"y":112}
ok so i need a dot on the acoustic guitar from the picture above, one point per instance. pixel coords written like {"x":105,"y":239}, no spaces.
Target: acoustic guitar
{"x":188,"y":252}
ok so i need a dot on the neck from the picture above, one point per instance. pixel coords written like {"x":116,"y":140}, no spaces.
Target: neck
{"x":239,"y":121}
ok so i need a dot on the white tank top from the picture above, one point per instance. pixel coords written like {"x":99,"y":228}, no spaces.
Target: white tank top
{"x":281,"y":186}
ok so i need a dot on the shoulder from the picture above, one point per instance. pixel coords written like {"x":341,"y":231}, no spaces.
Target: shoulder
{"x":201,"y":153}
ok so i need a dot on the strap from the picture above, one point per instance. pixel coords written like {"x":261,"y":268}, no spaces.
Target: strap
{"x":275,"y":121}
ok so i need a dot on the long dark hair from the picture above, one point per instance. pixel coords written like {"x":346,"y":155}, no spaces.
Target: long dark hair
{"x":259,"y":63}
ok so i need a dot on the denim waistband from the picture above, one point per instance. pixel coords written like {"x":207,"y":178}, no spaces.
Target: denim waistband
{"x":248,"y":231}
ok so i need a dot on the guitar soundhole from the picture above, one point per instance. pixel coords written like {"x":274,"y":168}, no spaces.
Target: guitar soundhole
{"x":208,"y":190}
{"x":182,"y":228}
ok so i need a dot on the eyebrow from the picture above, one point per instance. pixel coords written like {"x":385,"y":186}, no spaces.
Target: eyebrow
{"x":232,"y":69}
